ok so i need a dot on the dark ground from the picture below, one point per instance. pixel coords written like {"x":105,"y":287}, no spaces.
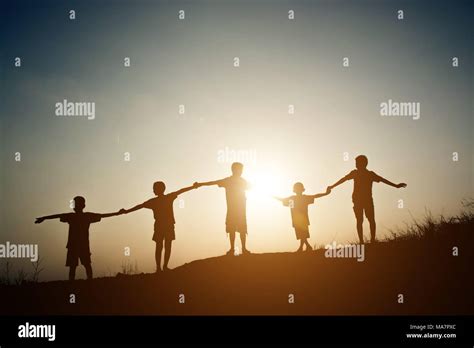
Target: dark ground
{"x":431,"y":279}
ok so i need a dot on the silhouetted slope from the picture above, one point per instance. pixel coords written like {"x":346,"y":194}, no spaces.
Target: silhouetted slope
{"x":424,"y":271}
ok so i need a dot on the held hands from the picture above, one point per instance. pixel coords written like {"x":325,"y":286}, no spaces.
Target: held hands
{"x":401,"y":185}
{"x":196,"y":185}
{"x":122,"y":211}
{"x":328,"y":190}
{"x":39,"y":220}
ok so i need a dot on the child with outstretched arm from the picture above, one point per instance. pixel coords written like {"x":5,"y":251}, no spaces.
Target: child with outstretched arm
{"x":362,"y":194}
{"x":162,"y":207}
{"x":78,"y":239}
{"x":299,"y":212}
{"x":236,"y":218}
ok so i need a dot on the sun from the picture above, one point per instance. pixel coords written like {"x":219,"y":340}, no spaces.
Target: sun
{"x":265,"y":184}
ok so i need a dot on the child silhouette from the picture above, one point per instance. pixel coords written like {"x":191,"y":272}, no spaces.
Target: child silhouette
{"x":236,"y":219}
{"x":162,"y":206}
{"x":78,"y":248}
{"x":299,"y":212}
{"x":362,"y":194}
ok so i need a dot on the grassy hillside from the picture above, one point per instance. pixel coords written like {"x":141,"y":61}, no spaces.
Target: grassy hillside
{"x":417,"y":262}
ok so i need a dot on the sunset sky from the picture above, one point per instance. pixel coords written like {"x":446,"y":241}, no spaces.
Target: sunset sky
{"x":190,"y":62}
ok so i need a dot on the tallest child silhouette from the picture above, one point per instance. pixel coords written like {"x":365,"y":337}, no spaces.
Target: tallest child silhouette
{"x":236,"y":218}
{"x":362,"y":194}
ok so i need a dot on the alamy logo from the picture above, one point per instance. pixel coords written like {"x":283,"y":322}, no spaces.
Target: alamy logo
{"x":403,"y":109}
{"x":21,"y":251}
{"x":227,"y":155}
{"x":37,"y":331}
{"x":67,"y":108}
{"x":356,"y":251}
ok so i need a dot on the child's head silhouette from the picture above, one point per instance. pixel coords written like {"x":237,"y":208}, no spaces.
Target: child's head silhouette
{"x":79,"y":204}
{"x":361,"y":162}
{"x":298,"y":188}
{"x":159,"y":188}
{"x":237,"y":168}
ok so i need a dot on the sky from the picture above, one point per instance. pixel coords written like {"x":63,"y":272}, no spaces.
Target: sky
{"x":283,"y":64}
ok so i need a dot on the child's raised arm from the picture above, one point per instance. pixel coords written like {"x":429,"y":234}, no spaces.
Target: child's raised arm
{"x":208,"y":183}
{"x":319,"y":195}
{"x":340,"y":181}
{"x":48,"y":217}
{"x":135,"y":208}
{"x":284,"y":200}
{"x":120,"y":212}
{"x":389,"y":183}
{"x":186,"y":189}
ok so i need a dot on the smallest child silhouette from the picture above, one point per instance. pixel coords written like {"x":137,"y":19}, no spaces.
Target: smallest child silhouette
{"x":299,"y":212}
{"x":78,"y":238}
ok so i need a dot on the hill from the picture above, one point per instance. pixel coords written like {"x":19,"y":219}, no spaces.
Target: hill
{"x":429,"y":263}
{"x":431,"y":280}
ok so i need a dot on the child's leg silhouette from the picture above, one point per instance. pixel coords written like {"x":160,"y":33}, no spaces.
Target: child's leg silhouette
{"x":168,"y":244}
{"x":360,"y":230}
{"x":373,"y":227}
{"x":159,"y":248}
{"x":88,"y":268}
{"x":359,"y":214}
{"x":369,"y":213}
{"x":243,"y":239}
{"x":232,"y":242}
{"x":72,"y":272}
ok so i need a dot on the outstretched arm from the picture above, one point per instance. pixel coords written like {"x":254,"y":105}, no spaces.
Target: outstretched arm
{"x":48,"y":217}
{"x":137,"y":207}
{"x":185,"y":189}
{"x":284,"y":200}
{"x":318,"y":195}
{"x":385,"y":181}
{"x":340,"y":181}
{"x":120,"y":212}
{"x":208,"y":183}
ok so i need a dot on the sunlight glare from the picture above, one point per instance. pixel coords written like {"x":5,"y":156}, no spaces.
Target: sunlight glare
{"x":265,"y":185}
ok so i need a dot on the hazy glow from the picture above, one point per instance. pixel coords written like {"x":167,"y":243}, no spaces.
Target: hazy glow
{"x":265,"y":184}
{"x":191,"y":62}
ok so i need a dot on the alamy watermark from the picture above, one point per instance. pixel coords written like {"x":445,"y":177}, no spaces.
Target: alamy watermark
{"x":28,"y":330}
{"x":400,"y":109}
{"x":228,"y":155}
{"x":20,"y":251}
{"x":355,"y":251}
{"x":67,"y":108}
